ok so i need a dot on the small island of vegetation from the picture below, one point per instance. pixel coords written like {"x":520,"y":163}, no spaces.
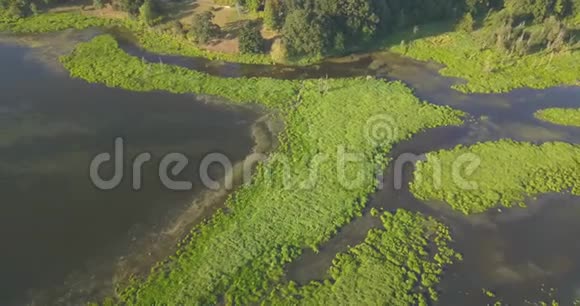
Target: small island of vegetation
{"x":486,"y":175}
{"x":561,"y":116}
{"x":396,"y":265}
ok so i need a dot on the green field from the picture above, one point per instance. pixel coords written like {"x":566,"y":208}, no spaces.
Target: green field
{"x":561,"y":116}
{"x":486,"y":175}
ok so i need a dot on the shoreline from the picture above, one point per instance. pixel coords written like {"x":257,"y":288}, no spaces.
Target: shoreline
{"x":143,"y":249}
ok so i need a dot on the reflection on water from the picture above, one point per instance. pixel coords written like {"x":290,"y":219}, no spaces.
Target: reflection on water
{"x":53,"y":222}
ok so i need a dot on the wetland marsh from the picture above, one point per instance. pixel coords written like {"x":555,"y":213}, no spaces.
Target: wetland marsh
{"x":256,"y":248}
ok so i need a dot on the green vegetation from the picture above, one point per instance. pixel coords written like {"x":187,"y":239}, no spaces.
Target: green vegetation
{"x":251,"y":40}
{"x":395,"y":265}
{"x":203,"y":28}
{"x":329,"y":27}
{"x":525,"y":44}
{"x":102,"y":61}
{"x":273,"y":18}
{"x":476,"y":178}
{"x":240,"y":253}
{"x":52,"y":22}
{"x":561,"y":116}
{"x":491,"y":70}
{"x":148,"y":12}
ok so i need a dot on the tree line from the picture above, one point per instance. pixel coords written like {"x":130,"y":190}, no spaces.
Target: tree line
{"x":321,"y":27}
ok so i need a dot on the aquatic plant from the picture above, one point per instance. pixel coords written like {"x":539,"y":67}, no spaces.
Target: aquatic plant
{"x":240,"y":254}
{"x":44,"y":23}
{"x":476,"y":178}
{"x":396,"y":265}
{"x":561,"y":116}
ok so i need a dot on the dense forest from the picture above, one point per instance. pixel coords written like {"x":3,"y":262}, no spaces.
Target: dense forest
{"x":319,"y":27}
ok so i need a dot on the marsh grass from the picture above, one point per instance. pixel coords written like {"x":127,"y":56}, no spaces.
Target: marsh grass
{"x":508,"y":173}
{"x":240,"y":254}
{"x":561,"y":116}
{"x":489,"y":70}
{"x":399,"y":264}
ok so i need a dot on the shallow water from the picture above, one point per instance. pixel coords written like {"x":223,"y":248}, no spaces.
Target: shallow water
{"x":53,"y":222}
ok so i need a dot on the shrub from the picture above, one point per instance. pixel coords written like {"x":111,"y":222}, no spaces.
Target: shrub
{"x":203,"y":28}
{"x":279,"y":53}
{"x":251,"y":40}
{"x":466,"y":24}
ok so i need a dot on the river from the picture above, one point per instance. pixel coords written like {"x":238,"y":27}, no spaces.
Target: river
{"x":56,"y":225}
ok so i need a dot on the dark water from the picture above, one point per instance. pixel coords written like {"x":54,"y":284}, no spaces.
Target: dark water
{"x":53,"y":222}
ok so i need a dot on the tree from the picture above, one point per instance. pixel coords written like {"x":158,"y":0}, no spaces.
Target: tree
{"x":466,"y":23}
{"x":129,"y":6}
{"x":98,"y":4}
{"x":16,"y":9}
{"x":34,"y":9}
{"x":252,"y":5}
{"x":148,"y":12}
{"x":273,"y":15}
{"x":203,"y":28}
{"x":304,"y":34}
{"x":251,"y":40}
{"x":279,"y":52}
{"x":361,"y":18}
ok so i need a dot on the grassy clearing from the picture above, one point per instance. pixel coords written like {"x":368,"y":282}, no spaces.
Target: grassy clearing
{"x":152,"y":39}
{"x":508,"y":172}
{"x":396,"y":265}
{"x":491,"y":71}
{"x":561,"y":116}
{"x":299,"y":198}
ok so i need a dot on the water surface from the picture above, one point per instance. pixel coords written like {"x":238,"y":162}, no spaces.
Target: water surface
{"x":54,"y":225}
